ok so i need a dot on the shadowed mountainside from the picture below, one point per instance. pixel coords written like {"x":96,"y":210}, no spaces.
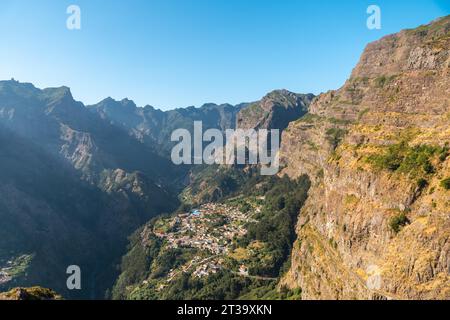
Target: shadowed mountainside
{"x":73,"y":188}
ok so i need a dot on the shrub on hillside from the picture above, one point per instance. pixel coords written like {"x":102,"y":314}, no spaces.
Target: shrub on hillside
{"x":446,"y":184}
{"x":398,"y":222}
{"x":405,"y":159}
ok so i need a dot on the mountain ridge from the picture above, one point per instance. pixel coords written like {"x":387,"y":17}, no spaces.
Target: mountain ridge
{"x":91,"y":167}
{"x":371,"y":161}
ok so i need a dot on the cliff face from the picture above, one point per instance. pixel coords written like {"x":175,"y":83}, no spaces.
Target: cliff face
{"x":377,"y":221}
{"x":154,"y":127}
{"x":274,"y":111}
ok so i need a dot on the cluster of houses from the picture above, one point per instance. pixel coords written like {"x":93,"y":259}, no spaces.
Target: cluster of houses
{"x":205,"y":269}
{"x":4,"y":276}
{"x":197,"y":229}
{"x":210,"y":228}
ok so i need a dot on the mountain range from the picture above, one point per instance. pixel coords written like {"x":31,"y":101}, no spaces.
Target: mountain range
{"x":77,"y":180}
{"x":362,"y":196}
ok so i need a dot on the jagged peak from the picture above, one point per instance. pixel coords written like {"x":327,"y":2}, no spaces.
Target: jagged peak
{"x":58,"y":92}
{"x":149,"y":107}
{"x":13,"y":88}
{"x":276,"y":94}
{"x":111,"y":102}
{"x":424,"y":47}
{"x":107,"y":100}
{"x":128,"y":103}
{"x":210,"y":105}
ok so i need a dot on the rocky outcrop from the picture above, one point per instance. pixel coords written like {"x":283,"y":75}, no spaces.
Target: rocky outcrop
{"x":377,"y":221}
{"x":30,"y":294}
{"x":154,"y":127}
{"x":274,"y":111}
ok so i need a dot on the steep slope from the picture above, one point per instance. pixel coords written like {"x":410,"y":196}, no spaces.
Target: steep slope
{"x":152,"y":267}
{"x":274,"y":111}
{"x":154,"y":127}
{"x":47,"y":214}
{"x":73,"y":187}
{"x":377,"y":221}
{"x":64,"y":128}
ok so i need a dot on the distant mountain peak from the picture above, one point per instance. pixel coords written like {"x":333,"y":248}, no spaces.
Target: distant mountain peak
{"x":128,"y":103}
{"x":58,"y":93}
{"x":14,"y":87}
{"x":112,"y":103}
{"x":274,"y":110}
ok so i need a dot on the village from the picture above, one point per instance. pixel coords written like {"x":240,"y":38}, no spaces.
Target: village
{"x":5,"y":277}
{"x":211,"y":229}
{"x":12,"y":268}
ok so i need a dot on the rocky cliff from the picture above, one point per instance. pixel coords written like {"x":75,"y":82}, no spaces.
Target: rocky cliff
{"x":154,"y":127}
{"x":274,"y":111}
{"x":377,"y":221}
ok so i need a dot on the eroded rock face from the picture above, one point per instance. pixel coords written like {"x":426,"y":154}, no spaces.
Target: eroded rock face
{"x":371,"y":228}
{"x":154,"y":127}
{"x":274,"y":111}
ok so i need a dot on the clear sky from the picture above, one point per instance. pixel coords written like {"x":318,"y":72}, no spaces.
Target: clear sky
{"x":176,"y":53}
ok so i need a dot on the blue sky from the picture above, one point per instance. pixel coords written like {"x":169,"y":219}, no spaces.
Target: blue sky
{"x":176,"y":53}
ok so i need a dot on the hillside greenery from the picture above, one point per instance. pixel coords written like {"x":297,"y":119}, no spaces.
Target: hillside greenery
{"x":417,"y":161}
{"x":265,"y":249}
{"x":446,"y":184}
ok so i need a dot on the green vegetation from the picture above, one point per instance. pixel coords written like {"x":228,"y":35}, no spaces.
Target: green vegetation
{"x":429,"y":28}
{"x":405,"y":159}
{"x":252,"y":111}
{"x":446,"y":184}
{"x":339,"y":121}
{"x":363,"y":80}
{"x":264,"y":250}
{"x":444,"y":153}
{"x":221,"y":286}
{"x":245,"y":207}
{"x":422,"y":183}
{"x":222,"y":182}
{"x":276,"y":224}
{"x":18,"y":266}
{"x":310,"y":118}
{"x":136,"y":264}
{"x":312,"y":145}
{"x":398,"y":221}
{"x":362,"y":113}
{"x":30,"y":294}
{"x":381,"y":81}
{"x":335,"y":136}
{"x":271,"y":292}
